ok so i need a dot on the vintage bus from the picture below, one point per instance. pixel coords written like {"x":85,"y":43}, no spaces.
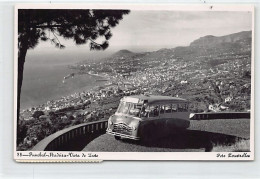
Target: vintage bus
{"x":148,"y":116}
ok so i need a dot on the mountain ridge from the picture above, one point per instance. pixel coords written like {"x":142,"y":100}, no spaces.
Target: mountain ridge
{"x":211,"y":40}
{"x":209,"y":44}
{"x":122,"y":53}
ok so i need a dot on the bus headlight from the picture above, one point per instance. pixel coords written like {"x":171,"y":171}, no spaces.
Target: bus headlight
{"x":110,"y":122}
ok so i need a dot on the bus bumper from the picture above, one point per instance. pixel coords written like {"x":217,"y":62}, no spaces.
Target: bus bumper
{"x":122,"y":135}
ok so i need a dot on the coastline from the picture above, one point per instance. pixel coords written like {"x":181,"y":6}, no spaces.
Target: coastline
{"x":99,"y":75}
{"x":90,"y":86}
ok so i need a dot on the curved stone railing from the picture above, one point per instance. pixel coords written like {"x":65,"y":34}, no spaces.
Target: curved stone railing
{"x":65,"y":136}
{"x":62,"y":137}
{"x":221,"y":115}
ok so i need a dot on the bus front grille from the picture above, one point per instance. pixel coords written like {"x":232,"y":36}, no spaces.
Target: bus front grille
{"x":122,"y":128}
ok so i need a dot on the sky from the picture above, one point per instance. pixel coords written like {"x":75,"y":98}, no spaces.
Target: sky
{"x":153,"y":30}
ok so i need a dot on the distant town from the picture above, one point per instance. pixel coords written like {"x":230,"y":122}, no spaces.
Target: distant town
{"x":213,"y":74}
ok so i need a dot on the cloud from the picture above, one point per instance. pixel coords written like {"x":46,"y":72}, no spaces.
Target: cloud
{"x":160,"y":29}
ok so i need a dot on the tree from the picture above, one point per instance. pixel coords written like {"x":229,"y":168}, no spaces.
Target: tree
{"x":22,"y":131}
{"x":83,"y":26}
{"x":37,"y":114}
{"x":247,"y":74}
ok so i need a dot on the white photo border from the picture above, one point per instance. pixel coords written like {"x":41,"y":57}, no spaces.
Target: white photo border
{"x":37,"y":156}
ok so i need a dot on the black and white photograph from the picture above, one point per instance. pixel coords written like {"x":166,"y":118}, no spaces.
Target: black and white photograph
{"x":134,"y":82}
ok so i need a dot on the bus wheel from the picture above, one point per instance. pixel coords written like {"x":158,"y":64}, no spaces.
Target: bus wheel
{"x":117,"y":137}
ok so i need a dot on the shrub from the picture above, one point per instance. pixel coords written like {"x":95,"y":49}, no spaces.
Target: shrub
{"x":239,"y":146}
{"x":37,"y":114}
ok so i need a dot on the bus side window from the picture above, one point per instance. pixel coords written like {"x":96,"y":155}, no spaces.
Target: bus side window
{"x":168,"y":108}
{"x":154,"y":111}
{"x":186,"y":107}
{"x":161,"y":109}
{"x":174,"y":107}
{"x":144,"y":111}
{"x":182,"y":107}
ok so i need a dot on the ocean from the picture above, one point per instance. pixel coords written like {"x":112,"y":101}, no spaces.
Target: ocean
{"x":43,"y":80}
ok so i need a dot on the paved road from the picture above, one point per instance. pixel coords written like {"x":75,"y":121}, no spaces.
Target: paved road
{"x":200,"y":137}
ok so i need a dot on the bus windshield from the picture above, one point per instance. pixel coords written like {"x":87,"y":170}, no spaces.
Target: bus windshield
{"x":123,"y":107}
{"x":132,"y":109}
